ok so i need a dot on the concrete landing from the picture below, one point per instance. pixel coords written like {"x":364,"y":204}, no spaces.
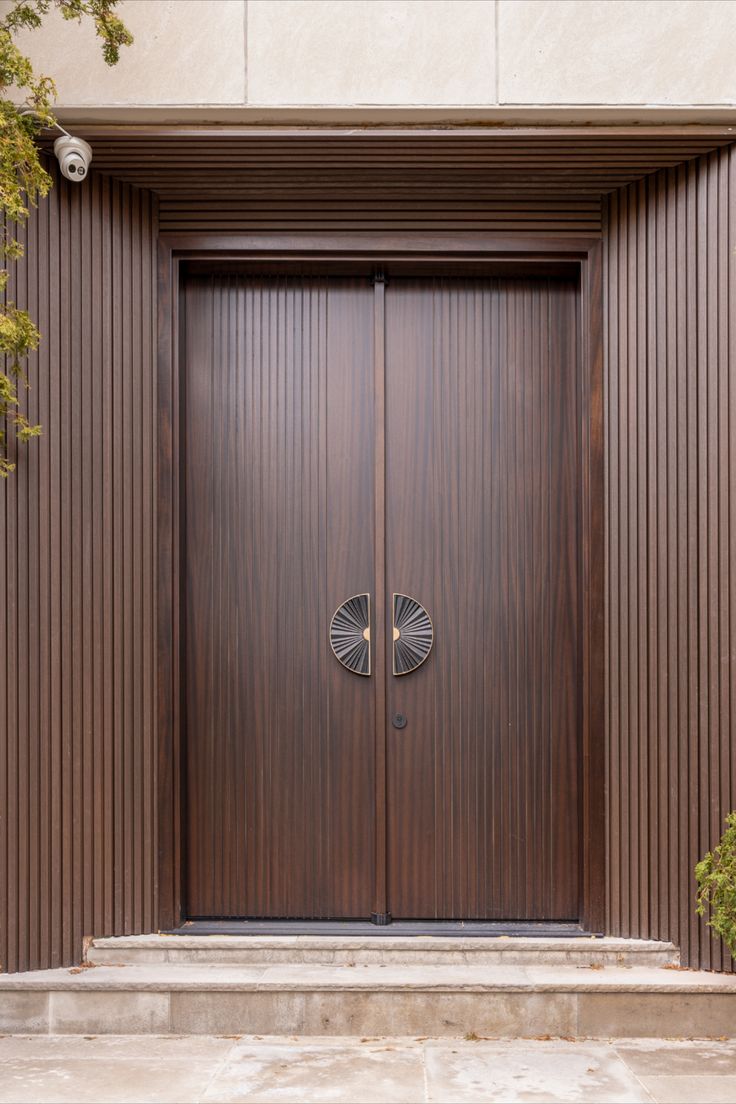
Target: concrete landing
{"x":399,"y":1070}
{"x":386,"y":950}
{"x":437,"y":1000}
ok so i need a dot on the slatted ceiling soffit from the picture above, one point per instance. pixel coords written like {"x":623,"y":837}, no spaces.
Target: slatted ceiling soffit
{"x":544,"y":180}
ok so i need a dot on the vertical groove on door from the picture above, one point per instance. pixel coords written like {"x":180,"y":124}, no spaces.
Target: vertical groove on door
{"x":483,"y":528}
{"x":278,"y":492}
{"x":383,"y":617}
{"x":670,"y":304}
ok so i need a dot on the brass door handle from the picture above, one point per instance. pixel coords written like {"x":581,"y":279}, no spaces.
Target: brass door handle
{"x":413,"y":634}
{"x":350,"y":634}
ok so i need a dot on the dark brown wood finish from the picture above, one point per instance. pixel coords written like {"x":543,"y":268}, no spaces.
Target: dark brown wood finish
{"x":75,"y":861}
{"x":508,"y":181}
{"x":381,"y":620}
{"x":475,"y":325}
{"x":593,"y":521}
{"x":168,"y":605}
{"x":277,"y":452}
{"x":670,"y":306}
{"x":504,"y":180}
{"x":78,"y":824}
{"x":483,"y":528}
{"x":419,"y":208}
{"x":456,"y":251}
{"x":241,"y":177}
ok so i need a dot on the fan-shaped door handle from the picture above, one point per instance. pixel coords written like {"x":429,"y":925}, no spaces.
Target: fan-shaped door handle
{"x":413,"y":634}
{"x":350,"y":634}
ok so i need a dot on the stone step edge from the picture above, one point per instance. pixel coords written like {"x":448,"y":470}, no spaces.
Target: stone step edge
{"x":711,"y":984}
{"x":409,"y":943}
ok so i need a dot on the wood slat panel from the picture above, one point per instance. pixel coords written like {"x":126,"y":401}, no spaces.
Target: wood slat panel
{"x":355,"y":209}
{"x":278,"y":499}
{"x":670,"y":305}
{"x":482,"y":528}
{"x":544,"y":180}
{"x":220,"y":163}
{"x":77,"y":735}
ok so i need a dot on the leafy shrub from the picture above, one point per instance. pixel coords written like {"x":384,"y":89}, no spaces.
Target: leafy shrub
{"x":716,"y":878}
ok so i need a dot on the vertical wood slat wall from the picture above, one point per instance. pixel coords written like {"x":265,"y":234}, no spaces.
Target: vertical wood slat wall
{"x":670,"y":400}
{"x":77,"y":666}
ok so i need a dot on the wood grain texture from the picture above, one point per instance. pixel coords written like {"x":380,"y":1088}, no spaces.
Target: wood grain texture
{"x":247,"y":174}
{"x":472,"y":496}
{"x":77,"y":589}
{"x":424,"y":206}
{"x":546,"y":180}
{"x":381,"y":618}
{"x":77,"y":521}
{"x":278,"y":503}
{"x":483,"y":528}
{"x":670,"y":399}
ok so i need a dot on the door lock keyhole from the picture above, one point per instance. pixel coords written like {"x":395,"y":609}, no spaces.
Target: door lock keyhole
{"x":399,"y":720}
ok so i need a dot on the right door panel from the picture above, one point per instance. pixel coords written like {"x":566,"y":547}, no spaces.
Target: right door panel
{"x":482,"y":528}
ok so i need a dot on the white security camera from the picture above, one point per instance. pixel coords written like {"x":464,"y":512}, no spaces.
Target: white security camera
{"x":74,"y":156}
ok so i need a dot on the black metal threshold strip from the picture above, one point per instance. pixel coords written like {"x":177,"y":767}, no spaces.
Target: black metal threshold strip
{"x":461,"y":929}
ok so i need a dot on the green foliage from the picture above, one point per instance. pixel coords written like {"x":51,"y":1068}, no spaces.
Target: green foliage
{"x":23,"y":179}
{"x":716,"y":878}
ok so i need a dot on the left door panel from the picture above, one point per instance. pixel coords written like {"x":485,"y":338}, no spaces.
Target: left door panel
{"x":277,"y":524}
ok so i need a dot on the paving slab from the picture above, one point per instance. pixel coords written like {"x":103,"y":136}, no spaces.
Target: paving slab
{"x":97,"y":1080}
{"x":299,"y":1070}
{"x":510,"y":1072}
{"x":704,"y":1089}
{"x":662,"y":1057}
{"x":114,"y":1048}
{"x":386,"y":1071}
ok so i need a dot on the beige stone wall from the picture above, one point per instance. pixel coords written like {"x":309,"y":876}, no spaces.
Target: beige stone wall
{"x":220,"y":58}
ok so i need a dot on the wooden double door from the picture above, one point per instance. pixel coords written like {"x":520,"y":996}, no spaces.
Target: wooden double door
{"x":346,"y":435}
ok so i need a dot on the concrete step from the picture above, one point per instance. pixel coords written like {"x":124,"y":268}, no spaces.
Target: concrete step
{"x":362,"y":950}
{"x":434,"y":1000}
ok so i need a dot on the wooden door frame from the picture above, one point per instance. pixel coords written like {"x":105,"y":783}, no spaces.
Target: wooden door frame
{"x":542,"y":255}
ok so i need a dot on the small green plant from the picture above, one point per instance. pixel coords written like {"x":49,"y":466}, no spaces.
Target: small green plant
{"x":716,"y":878}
